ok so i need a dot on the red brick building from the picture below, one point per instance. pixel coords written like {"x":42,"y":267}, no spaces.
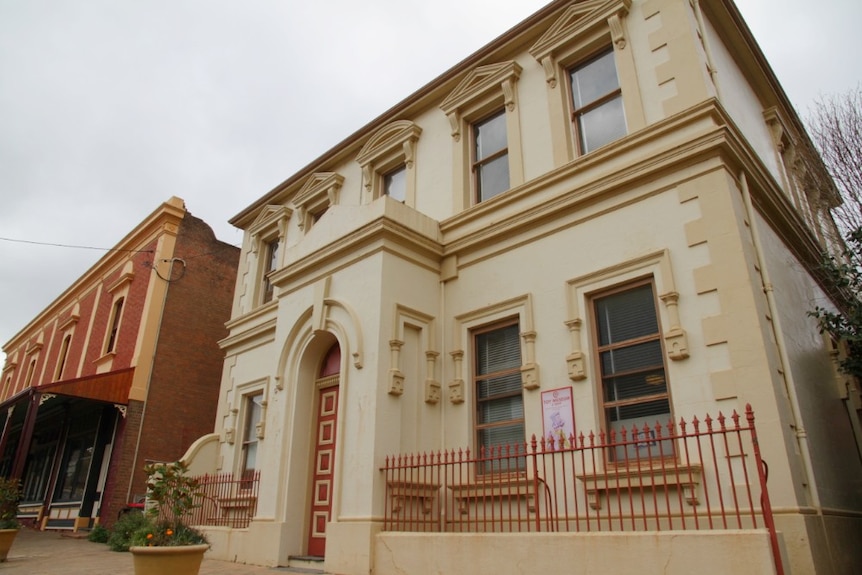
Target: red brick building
{"x":121,"y":369}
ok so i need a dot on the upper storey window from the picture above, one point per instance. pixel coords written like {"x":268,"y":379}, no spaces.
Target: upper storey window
{"x":387,"y":162}
{"x":486,"y":133}
{"x":597,"y":103}
{"x":490,"y":157}
{"x":271,"y":264}
{"x":395,"y":184}
{"x":591,"y":77}
{"x":267,"y":234}
{"x":116,"y":317}
{"x":319,"y":193}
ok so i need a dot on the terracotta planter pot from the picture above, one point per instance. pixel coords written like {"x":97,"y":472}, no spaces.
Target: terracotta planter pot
{"x":180,"y":560}
{"x":7,"y":536}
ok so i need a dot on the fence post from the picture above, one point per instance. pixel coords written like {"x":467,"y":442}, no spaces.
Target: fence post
{"x":535,"y":483}
{"x":764,"y":494}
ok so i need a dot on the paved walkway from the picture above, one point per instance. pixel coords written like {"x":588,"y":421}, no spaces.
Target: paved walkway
{"x":54,"y":553}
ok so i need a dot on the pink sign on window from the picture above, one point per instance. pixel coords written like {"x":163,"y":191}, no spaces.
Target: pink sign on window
{"x":558,"y":416}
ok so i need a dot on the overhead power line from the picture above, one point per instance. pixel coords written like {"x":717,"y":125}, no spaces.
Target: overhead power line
{"x":73,"y":246}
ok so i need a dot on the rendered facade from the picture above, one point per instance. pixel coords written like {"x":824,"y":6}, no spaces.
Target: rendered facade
{"x":122,"y":368}
{"x":602,"y":201}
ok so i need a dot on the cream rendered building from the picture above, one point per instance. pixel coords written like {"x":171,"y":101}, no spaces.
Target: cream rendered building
{"x":603,"y":157}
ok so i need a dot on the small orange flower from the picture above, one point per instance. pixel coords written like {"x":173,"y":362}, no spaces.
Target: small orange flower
{"x":149,"y":535}
{"x":169,"y":532}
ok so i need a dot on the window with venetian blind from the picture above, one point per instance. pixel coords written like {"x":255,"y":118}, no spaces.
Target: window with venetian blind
{"x":499,"y":403}
{"x":634,"y":387}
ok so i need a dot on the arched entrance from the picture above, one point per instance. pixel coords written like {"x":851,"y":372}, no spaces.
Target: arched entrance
{"x":323,"y":462}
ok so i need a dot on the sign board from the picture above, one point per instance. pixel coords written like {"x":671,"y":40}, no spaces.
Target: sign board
{"x":558,"y":416}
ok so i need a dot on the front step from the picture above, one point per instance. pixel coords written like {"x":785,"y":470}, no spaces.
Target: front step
{"x":305,"y":564}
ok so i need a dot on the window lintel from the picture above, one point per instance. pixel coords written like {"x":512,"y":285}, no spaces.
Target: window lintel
{"x":479,"y":84}
{"x":319,"y":192}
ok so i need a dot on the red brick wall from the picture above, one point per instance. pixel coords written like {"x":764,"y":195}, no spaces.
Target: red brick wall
{"x":184,"y":389}
{"x":121,"y":466}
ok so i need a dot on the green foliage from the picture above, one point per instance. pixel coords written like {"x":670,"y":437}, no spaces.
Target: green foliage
{"x":128,"y":523}
{"x":845,"y":276}
{"x":10,"y":495}
{"x":163,"y":533}
{"x":99,"y":534}
{"x":172,"y":495}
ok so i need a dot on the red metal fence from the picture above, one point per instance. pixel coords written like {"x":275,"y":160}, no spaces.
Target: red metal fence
{"x":225,"y":500}
{"x":688,"y":476}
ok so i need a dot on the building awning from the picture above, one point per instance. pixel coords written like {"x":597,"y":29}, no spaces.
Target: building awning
{"x":110,"y":387}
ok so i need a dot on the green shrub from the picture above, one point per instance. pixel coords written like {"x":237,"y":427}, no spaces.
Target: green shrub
{"x":10,"y":495}
{"x":121,"y":535}
{"x":99,"y":534}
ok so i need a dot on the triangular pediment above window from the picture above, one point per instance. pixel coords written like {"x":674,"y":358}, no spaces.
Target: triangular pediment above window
{"x":479,"y":81}
{"x":272,"y":216}
{"x":576,"y":21}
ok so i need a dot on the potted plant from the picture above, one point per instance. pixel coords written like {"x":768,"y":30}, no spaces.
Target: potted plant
{"x":10,"y":495}
{"x":165,"y":544}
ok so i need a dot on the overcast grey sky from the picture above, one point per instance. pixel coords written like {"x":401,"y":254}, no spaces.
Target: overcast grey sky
{"x":109,"y":107}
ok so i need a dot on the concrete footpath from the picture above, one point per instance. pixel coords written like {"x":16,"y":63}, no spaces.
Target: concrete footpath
{"x":57,"y":553}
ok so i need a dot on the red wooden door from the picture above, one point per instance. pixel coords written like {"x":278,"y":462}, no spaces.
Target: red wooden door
{"x":324,"y":470}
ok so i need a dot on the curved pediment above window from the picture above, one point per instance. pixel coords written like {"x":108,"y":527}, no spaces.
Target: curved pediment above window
{"x":398,"y":134}
{"x":319,"y":192}
{"x":484,"y":83}
{"x":577,"y":23}
{"x":390,"y":148}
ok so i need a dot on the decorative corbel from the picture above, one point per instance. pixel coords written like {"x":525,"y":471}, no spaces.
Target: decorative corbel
{"x":122,"y":409}
{"x":530,"y":369}
{"x":260,"y":426}
{"x":676,"y":341}
{"x":550,"y":68}
{"x":432,"y":386}
{"x":456,"y":386}
{"x":396,"y":377}
{"x":508,"y":87}
{"x":367,"y":176}
{"x":455,"y":125}
{"x":575,"y":361}
{"x":230,"y":430}
{"x":409,"y":147}
{"x":617,"y":32}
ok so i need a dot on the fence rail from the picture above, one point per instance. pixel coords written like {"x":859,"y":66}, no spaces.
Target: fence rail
{"x":697,"y":475}
{"x":225,"y":500}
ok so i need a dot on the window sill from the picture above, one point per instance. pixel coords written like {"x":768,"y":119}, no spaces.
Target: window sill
{"x":636,"y":479}
{"x":495,"y":488}
{"x":401,"y":490}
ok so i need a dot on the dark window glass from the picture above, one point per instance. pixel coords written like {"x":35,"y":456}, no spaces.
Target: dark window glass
{"x":271,"y":264}
{"x":597,"y":103}
{"x":490,"y":157}
{"x":115,"y":325}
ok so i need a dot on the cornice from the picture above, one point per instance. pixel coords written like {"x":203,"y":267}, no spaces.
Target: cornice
{"x":426,"y":96}
{"x":164,"y":220}
{"x":381,"y":234}
{"x":259,"y":334}
{"x":721,"y":146}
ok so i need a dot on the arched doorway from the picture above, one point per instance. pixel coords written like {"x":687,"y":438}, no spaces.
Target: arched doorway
{"x":323,"y":462}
